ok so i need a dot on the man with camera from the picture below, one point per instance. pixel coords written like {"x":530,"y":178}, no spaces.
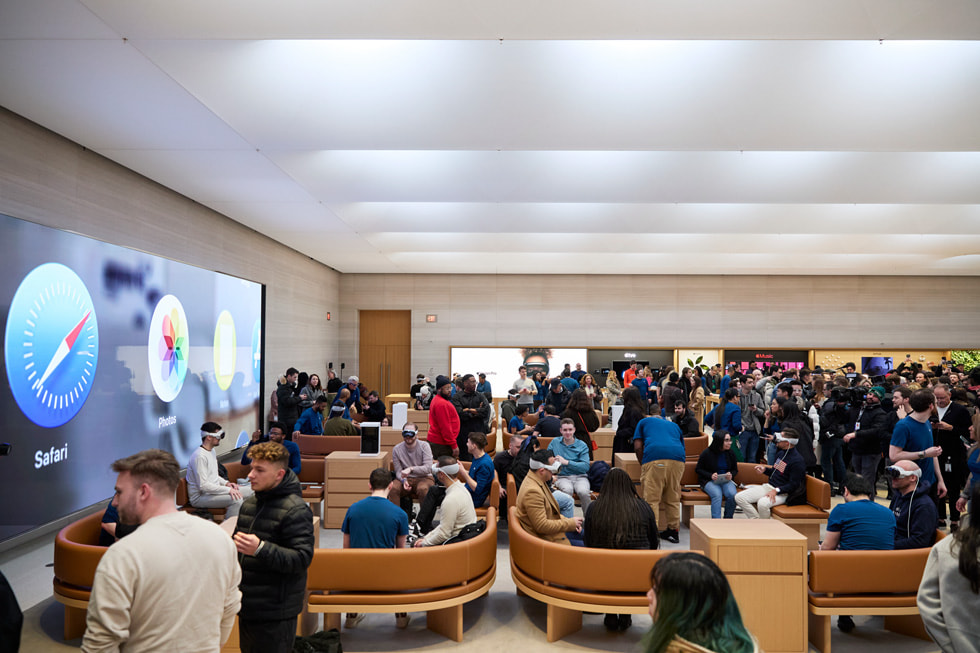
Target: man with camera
{"x":869,"y":426}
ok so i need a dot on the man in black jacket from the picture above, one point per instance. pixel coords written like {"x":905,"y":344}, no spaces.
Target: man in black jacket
{"x":951,"y":429}
{"x":274,"y":538}
{"x":289,"y":399}
{"x":474,"y":411}
{"x":865,"y":440}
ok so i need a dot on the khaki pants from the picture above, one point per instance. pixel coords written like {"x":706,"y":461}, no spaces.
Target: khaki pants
{"x":661,"y":484}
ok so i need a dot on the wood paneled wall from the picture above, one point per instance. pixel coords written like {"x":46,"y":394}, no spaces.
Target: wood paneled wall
{"x":690,"y":312}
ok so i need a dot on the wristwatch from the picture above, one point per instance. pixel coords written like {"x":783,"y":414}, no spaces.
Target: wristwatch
{"x":922,"y":454}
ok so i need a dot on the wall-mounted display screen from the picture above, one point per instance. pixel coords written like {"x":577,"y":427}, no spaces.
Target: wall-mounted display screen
{"x":500,"y":363}
{"x":109,"y":351}
{"x":785,"y":358}
{"x":876,"y":365}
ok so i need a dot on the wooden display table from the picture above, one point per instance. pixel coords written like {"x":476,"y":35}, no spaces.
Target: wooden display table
{"x":392,"y":399}
{"x":765,"y":563}
{"x":603,"y":439}
{"x":347,"y":482}
{"x":629,"y":462}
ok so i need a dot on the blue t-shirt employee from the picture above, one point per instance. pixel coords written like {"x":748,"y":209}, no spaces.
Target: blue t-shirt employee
{"x":659,"y":447}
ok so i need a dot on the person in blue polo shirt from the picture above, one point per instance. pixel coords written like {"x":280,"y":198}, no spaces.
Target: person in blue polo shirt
{"x":858,"y":524}
{"x":376,"y":523}
{"x":659,"y":447}
{"x":311,"y":421}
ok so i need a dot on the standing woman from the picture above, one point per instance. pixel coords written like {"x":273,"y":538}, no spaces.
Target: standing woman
{"x":540,"y":382}
{"x":620,"y":519}
{"x":613,"y":390}
{"x":717,"y":467}
{"x":313,"y":389}
{"x":634,"y":409}
{"x":693,"y":609}
{"x":972,"y":464}
{"x":696,"y":403}
{"x":949,"y":594}
{"x":580,"y":411}
{"x":592,"y":390}
{"x":686,"y":383}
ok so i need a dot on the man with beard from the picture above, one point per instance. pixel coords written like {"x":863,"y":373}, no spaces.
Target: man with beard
{"x":133,"y":604}
{"x":274,"y":538}
{"x":288,"y":400}
{"x":473,"y":410}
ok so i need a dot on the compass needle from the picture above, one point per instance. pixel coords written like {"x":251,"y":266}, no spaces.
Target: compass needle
{"x":66,"y":344}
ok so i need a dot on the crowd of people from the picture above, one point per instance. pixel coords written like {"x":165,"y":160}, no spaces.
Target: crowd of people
{"x":914,"y":427}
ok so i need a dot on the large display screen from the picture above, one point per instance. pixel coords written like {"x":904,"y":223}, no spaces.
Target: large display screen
{"x":500,"y":363}
{"x":108,"y":351}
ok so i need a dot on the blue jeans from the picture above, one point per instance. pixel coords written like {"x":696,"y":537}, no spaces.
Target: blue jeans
{"x":771,"y":450}
{"x":716,"y":492}
{"x":832,"y":461}
{"x":748,"y":442}
{"x":566,"y":504}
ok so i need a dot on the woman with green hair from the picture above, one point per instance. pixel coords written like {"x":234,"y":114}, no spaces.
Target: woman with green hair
{"x":693,"y":609}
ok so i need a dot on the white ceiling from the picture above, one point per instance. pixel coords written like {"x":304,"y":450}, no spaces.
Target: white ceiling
{"x":640,"y":136}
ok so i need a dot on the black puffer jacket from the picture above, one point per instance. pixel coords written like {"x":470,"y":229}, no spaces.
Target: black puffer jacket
{"x":274,"y":580}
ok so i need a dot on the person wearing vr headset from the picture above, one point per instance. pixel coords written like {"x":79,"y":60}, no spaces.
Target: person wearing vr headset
{"x":412,"y":459}
{"x":915,"y":511}
{"x":457,"y":506}
{"x":537,"y":509}
{"x":786,"y":480}
{"x":205,"y":487}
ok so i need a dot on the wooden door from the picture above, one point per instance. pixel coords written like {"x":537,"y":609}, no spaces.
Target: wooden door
{"x":385,"y":351}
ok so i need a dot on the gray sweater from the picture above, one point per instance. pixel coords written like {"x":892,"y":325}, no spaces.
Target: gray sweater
{"x":948,"y":606}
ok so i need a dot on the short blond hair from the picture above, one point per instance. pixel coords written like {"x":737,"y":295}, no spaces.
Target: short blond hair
{"x":272,"y":452}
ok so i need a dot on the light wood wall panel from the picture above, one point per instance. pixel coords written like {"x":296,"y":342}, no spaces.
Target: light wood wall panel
{"x":49,"y":180}
{"x":688,"y":311}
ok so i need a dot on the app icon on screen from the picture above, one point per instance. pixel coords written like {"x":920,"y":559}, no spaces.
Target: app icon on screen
{"x":51,"y":345}
{"x":168,"y":348}
{"x":225,"y":343}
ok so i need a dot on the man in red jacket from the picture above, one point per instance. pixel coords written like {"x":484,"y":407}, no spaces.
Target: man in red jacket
{"x":443,"y":421}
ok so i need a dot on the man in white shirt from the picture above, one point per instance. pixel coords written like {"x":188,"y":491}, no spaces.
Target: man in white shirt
{"x":457,"y":506}
{"x":526,"y":389}
{"x":171,"y":585}
{"x":205,"y":488}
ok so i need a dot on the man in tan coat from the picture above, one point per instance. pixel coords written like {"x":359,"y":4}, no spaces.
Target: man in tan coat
{"x":537,"y":509}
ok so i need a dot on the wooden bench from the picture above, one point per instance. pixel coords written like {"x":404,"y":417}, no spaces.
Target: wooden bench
{"x":76,"y":555}
{"x":571,"y":580}
{"x":438,"y":580}
{"x":321,"y":446}
{"x":866,"y":583}
{"x":313,"y":478}
{"x":806,"y":518}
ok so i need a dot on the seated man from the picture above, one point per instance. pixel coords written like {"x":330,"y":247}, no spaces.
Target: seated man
{"x":479,"y":478}
{"x":516,"y":424}
{"x":915,"y":511}
{"x":685,"y":419}
{"x":573,"y":455}
{"x":311,"y":421}
{"x":338,"y":424}
{"x":786,"y":480}
{"x":457,"y":506}
{"x":205,"y":488}
{"x":277,"y":433}
{"x":858,"y":524}
{"x":412,"y":459}
{"x":536,"y":508}
{"x":548,"y":426}
{"x":374,"y":410}
{"x":375,"y":523}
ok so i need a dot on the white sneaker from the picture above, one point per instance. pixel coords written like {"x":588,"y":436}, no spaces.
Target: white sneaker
{"x":353,"y":619}
{"x":401,"y":620}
